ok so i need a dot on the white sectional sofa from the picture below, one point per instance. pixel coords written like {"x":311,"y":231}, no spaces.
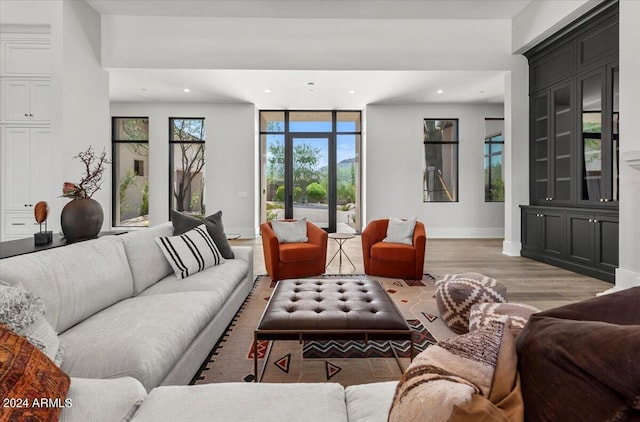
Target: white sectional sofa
{"x":120,"y":311}
{"x":119,"y":399}
{"x":134,"y":336}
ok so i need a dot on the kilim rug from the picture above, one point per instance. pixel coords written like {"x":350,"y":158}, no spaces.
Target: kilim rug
{"x":345,"y":362}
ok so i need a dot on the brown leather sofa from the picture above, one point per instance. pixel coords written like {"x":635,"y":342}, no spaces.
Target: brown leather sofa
{"x":393,"y":259}
{"x":581,"y":362}
{"x":294,"y":260}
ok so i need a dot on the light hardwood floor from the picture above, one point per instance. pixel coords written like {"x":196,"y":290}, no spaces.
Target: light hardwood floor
{"x":528,"y":281}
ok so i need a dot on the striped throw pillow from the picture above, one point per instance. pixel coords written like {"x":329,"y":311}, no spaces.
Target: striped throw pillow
{"x":190,"y":252}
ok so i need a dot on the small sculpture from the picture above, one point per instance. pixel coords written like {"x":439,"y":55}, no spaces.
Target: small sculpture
{"x":41,"y":211}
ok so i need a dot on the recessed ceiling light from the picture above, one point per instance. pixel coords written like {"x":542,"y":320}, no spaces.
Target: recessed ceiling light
{"x":143,"y":89}
{"x":353,"y":91}
{"x":439,"y":91}
{"x":186,"y":90}
{"x":267,"y":91}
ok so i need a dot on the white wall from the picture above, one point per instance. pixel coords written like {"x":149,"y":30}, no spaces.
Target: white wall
{"x":540,"y":19}
{"x":628,"y":274}
{"x":230,"y":153}
{"x":305,"y":44}
{"x":80,"y":88}
{"x":395,"y":162}
{"x":28,"y":12}
{"x":84,"y":97}
{"x":516,"y":152}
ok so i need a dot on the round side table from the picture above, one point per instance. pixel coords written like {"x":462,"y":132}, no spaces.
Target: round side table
{"x":340,"y":239}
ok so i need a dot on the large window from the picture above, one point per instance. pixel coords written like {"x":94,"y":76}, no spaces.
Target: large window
{"x":440,"y":178}
{"x":493,"y":173}
{"x":130,"y":143}
{"x":186,"y":178}
{"x":311,"y":167}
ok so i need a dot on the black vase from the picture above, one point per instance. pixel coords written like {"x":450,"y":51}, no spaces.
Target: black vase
{"x":81,"y":219}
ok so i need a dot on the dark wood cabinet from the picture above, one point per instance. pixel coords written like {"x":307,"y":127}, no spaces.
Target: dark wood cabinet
{"x":561,"y":145}
{"x":552,"y":137}
{"x":593,"y":240}
{"x":598,"y":147}
{"x":539,"y":147}
{"x":543,"y":231}
{"x":574,"y":146}
{"x":600,"y":41}
{"x":552,"y":65}
{"x":574,"y":238}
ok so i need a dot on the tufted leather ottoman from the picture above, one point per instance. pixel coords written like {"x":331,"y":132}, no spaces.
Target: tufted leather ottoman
{"x":338,"y":309}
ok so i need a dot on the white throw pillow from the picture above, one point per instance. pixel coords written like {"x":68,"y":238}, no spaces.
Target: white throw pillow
{"x":190,"y":252}
{"x":290,"y":231}
{"x":400,"y":231}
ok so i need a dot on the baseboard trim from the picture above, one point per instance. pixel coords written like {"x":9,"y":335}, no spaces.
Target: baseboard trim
{"x":626,"y":279}
{"x":511,"y":248}
{"x":244,"y":232}
{"x":569,"y":265}
{"x":465,"y":233}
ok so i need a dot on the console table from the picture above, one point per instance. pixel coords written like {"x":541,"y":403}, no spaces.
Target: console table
{"x":24,"y":246}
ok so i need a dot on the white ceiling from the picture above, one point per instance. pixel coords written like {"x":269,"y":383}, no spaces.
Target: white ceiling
{"x":316,"y":9}
{"x":289,"y":88}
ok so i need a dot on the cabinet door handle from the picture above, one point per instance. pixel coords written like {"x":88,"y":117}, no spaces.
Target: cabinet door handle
{"x":30,"y":115}
{"x":26,"y":115}
{"x":18,"y":224}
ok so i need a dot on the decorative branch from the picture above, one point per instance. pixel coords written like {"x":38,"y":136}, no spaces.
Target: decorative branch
{"x":91,"y":181}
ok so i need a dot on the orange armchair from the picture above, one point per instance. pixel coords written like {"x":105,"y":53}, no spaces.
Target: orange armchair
{"x":393,"y":259}
{"x":294,"y":260}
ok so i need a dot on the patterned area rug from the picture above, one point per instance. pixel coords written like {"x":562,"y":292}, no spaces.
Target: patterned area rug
{"x":345,"y":362}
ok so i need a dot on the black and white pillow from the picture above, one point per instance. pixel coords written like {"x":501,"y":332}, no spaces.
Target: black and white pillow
{"x":190,"y":252}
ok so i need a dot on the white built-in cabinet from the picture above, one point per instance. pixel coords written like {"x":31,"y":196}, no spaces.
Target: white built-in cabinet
{"x":25,"y":131}
{"x":26,"y":162}
{"x":26,"y":100}
{"x":26,"y":56}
